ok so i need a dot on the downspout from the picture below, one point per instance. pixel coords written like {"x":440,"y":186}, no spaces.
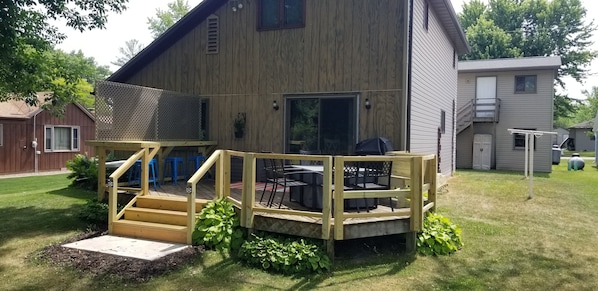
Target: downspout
{"x":409,"y":68}
{"x":34,"y":144}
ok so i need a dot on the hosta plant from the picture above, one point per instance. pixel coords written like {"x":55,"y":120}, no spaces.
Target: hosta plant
{"x":284,"y":255}
{"x":218,"y":227}
{"x":439,"y":236}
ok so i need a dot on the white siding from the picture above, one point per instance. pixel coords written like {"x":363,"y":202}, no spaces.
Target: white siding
{"x":517,"y":111}
{"x":433,"y":88}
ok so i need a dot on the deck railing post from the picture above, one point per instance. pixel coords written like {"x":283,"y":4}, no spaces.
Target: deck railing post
{"x":327,"y":198}
{"x":226,"y":157}
{"x":417,"y":205}
{"x":220,"y":176}
{"x":145,"y":172}
{"x":432,"y":177}
{"x":339,"y":174}
{"x":248,"y":193}
{"x":112,"y":200}
{"x":191,"y":211}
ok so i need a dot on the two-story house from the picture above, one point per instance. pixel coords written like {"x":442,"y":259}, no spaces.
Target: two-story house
{"x":495,"y":95}
{"x":314,"y":75}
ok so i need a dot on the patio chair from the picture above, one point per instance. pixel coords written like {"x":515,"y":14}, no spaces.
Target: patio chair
{"x":376,"y":176}
{"x":277,"y":174}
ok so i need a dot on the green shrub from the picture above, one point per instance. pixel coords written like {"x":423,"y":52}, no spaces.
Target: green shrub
{"x":84,"y":171}
{"x":439,"y":236}
{"x":218,"y":227}
{"x":95,"y":213}
{"x":287,"y":256}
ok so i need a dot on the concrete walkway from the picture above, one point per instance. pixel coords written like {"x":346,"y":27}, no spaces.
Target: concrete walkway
{"x":127,"y":247}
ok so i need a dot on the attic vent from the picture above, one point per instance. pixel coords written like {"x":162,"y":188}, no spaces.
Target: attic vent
{"x":213,"y":35}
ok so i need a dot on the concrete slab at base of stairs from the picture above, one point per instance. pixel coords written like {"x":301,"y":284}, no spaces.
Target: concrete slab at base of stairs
{"x":127,"y":247}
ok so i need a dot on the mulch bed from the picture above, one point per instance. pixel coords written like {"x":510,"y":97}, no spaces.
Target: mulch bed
{"x":102,"y":265}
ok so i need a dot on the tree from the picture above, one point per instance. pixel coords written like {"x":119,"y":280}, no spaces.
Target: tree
{"x":588,"y":108}
{"x":536,"y":28}
{"x":29,"y":63}
{"x":165,"y":19}
{"x":132,"y":47}
{"x":489,"y":41}
{"x":513,"y":28}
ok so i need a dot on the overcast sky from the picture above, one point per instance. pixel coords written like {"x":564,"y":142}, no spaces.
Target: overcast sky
{"x":103,"y":44}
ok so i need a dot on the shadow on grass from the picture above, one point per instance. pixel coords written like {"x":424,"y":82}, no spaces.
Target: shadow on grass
{"x":540,"y":272}
{"x":386,"y":254}
{"x":51,"y":216}
{"x":75,"y":192}
{"x":356,"y":255}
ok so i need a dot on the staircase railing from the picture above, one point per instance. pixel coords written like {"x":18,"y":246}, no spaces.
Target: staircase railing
{"x":218,"y":158}
{"x":145,"y":155}
{"x":465,"y":116}
{"x":487,"y":110}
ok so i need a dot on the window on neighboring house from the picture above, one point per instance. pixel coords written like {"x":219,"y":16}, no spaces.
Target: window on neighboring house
{"x":61,"y":139}
{"x":442,"y":121}
{"x":1,"y":135}
{"x":519,"y":140}
{"x":280,"y":14}
{"x":525,"y":84}
{"x":426,"y":14}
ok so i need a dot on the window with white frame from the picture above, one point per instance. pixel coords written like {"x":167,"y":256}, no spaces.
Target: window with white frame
{"x":1,"y":135}
{"x":61,"y":138}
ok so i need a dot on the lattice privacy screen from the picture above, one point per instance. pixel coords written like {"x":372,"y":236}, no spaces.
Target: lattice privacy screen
{"x":129,"y":112}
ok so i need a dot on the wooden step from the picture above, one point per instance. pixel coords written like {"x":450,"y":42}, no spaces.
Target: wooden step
{"x":156,"y":215}
{"x":149,"y":230}
{"x":168,"y":203}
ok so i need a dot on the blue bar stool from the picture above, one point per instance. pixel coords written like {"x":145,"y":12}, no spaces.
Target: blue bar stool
{"x":135,"y":173}
{"x":196,"y":161}
{"x":171,"y":166}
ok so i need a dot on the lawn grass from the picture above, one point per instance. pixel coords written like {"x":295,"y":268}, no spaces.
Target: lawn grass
{"x":511,"y":243}
{"x":591,"y":154}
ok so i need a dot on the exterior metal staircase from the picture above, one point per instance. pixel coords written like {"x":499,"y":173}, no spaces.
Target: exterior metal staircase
{"x":157,"y":218}
{"x":478,"y":110}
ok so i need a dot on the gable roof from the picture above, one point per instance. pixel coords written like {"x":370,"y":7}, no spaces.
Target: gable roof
{"x":19,"y":109}
{"x":448,"y":18}
{"x":584,"y":125}
{"x":510,"y":64}
{"x":196,"y":16}
{"x":444,"y":10}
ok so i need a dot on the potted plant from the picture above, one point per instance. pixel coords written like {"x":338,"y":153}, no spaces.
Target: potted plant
{"x":239,"y":125}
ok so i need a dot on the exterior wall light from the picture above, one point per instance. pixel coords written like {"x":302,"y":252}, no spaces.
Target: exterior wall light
{"x":275,"y":105}
{"x":368,"y":105}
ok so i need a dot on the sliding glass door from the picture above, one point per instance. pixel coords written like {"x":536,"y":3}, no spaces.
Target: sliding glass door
{"x":321,"y":124}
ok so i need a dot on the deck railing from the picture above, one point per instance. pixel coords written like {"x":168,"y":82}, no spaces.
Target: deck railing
{"x":413,"y":177}
{"x":145,"y":155}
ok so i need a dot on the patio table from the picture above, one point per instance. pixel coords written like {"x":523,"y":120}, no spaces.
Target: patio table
{"x":314,"y":201}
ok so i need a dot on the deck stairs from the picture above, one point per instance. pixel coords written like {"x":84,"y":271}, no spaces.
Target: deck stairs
{"x":156,"y":218}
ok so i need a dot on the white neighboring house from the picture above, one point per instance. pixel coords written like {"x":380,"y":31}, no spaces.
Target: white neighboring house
{"x":498,"y":94}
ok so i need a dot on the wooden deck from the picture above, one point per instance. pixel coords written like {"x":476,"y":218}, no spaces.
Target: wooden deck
{"x":412,"y":190}
{"x":305,"y":226}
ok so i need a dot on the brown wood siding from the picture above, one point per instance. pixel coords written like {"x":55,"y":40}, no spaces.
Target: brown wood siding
{"x":346,"y":46}
{"x":17,"y":154}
